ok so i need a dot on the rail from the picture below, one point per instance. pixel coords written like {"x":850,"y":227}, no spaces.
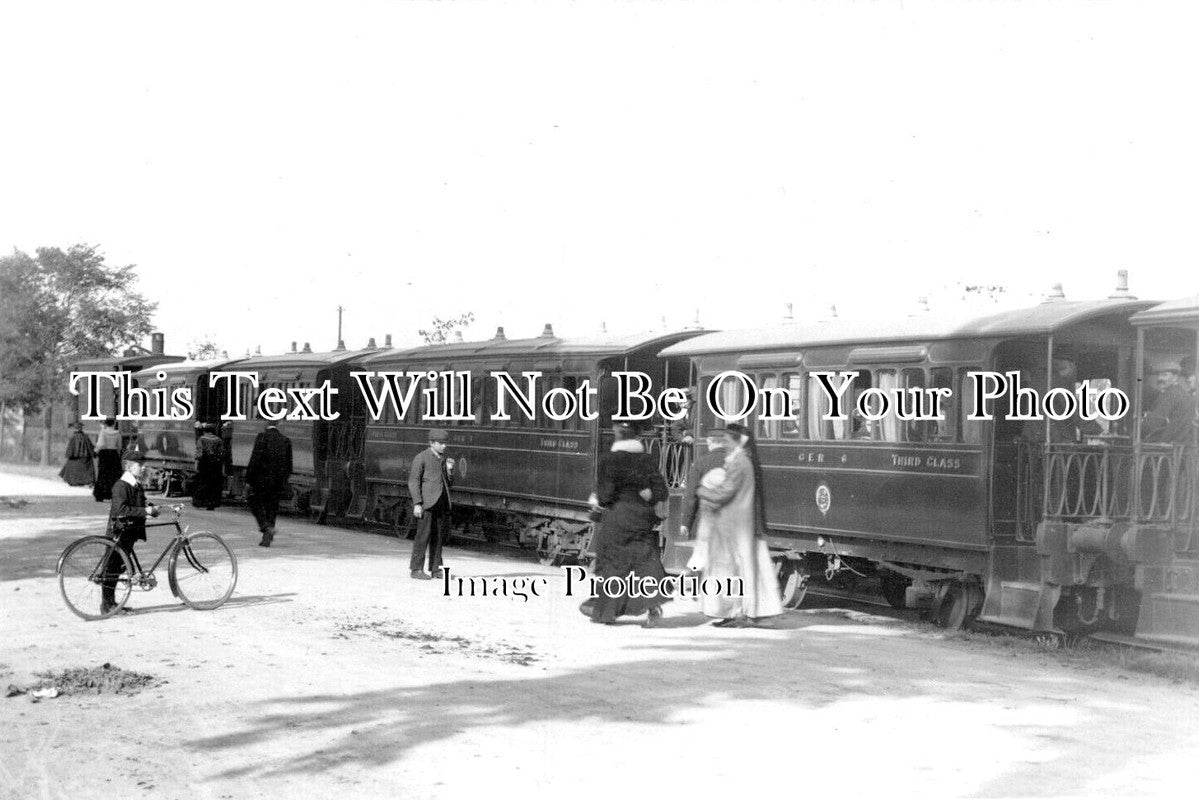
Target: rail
{"x":674,"y":459}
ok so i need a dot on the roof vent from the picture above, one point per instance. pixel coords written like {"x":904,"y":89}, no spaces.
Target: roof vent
{"x":293,"y":347}
{"x":387,"y":340}
{"x":224,"y":354}
{"x":695,"y":326}
{"x":1056,"y":295}
{"x":499,"y":333}
{"x":832,"y":313}
{"x":663,"y":320}
{"x":603,"y":327}
{"x":341,"y":344}
{"x":458,"y":336}
{"x":258,"y":350}
{"x":1122,"y":292}
{"x":548,"y":330}
{"x":788,"y":313}
{"x":307,"y":348}
{"x":156,"y":344}
{"x":370,"y":343}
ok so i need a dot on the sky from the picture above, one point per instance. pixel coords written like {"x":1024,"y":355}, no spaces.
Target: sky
{"x":589,"y":163}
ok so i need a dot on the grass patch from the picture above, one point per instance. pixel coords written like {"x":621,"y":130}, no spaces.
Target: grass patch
{"x":105,"y":679}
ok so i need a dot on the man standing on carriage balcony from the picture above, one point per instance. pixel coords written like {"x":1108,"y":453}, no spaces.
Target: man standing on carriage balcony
{"x":429,"y":483}
{"x":126,"y":522}
{"x":267,"y":477}
{"x":1172,"y":416}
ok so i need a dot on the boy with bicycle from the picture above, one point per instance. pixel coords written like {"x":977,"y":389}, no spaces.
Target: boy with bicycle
{"x":126,"y":522}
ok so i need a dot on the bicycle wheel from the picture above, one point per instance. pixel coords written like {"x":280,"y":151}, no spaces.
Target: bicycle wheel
{"x":203,"y":571}
{"x":81,"y":571}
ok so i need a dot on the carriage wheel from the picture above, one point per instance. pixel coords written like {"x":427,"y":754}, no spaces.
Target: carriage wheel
{"x":793,"y":584}
{"x":548,"y":545}
{"x":894,"y":590}
{"x":959,"y":606}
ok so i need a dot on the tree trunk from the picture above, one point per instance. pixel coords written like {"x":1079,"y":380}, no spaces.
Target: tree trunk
{"x":49,"y":422}
{"x":3,"y":419}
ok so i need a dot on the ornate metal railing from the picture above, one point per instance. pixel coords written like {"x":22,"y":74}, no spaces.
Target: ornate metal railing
{"x":674,"y":459}
{"x":1157,"y":486}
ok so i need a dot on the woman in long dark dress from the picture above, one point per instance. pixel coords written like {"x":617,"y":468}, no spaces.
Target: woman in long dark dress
{"x":78,"y":471}
{"x":628,"y":486}
{"x":108,"y":460}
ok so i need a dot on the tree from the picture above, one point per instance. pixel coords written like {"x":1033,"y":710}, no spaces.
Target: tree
{"x":56,"y":309}
{"x":203,"y":348}
{"x":440,"y":329}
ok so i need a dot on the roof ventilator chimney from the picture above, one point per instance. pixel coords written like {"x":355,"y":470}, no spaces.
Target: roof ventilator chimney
{"x":293,"y":347}
{"x":499,"y":334}
{"x":307,"y":347}
{"x":370,"y":343}
{"x":341,"y":344}
{"x":258,"y":350}
{"x":603,"y":327}
{"x":788,"y":314}
{"x":157,"y":344}
{"x":387,"y":340}
{"x":548,"y":330}
{"x":1056,"y":295}
{"x":1122,"y":292}
{"x":458,"y":336}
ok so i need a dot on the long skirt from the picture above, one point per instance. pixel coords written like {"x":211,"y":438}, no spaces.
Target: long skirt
{"x":78,"y":472}
{"x":108,"y":472}
{"x":747,"y":557}
{"x":210,"y":483}
{"x":628,"y":553}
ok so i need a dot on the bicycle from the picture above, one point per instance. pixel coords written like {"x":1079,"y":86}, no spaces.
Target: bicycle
{"x":201,"y":570}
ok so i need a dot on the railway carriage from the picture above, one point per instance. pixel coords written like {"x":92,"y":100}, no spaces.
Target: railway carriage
{"x":522,"y":480}
{"x":170,"y":445}
{"x":324,"y":453}
{"x":1006,"y":520}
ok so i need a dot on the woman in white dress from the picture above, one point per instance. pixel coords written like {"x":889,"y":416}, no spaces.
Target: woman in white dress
{"x":733,"y":526}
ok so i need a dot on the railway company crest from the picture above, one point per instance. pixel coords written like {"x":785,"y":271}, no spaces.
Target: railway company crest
{"x":824,"y":498}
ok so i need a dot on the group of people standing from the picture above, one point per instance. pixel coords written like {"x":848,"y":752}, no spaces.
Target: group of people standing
{"x":723,"y":510}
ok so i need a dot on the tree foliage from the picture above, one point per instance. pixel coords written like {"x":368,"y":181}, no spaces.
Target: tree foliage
{"x":440,"y":329}
{"x":203,"y":348}
{"x":59,"y":307}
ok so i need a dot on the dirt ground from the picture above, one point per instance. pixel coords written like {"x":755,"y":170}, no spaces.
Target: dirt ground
{"x":330,"y":672}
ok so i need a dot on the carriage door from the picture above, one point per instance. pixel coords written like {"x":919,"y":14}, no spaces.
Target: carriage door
{"x":1016,"y":448}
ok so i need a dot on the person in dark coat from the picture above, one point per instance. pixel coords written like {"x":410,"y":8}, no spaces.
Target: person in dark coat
{"x":628,"y":485}
{"x":1171,"y":419}
{"x":78,"y":469}
{"x":210,"y":469}
{"x":126,"y":523}
{"x":429,"y":483}
{"x":108,"y":460}
{"x":718,"y":445}
{"x":267,"y":477}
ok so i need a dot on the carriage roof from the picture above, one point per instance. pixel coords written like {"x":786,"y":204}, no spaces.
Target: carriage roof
{"x":301,"y":359}
{"x":545,"y":346}
{"x":128,"y":363}
{"x":1183,"y":311}
{"x":1046,"y":318}
{"x":185,"y":367}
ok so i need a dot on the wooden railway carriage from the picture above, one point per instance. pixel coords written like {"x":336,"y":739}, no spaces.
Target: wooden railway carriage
{"x":170,"y":445}
{"x":133,"y":361}
{"x":323,"y":453}
{"x":521,"y":479}
{"x":1005,"y":519}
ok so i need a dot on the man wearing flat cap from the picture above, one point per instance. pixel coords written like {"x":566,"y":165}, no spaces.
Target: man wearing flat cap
{"x":126,"y":522}
{"x":429,"y":483}
{"x":268,"y":476}
{"x":1171,"y":418}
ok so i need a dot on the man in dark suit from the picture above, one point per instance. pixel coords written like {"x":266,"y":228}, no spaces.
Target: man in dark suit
{"x":429,"y":483}
{"x":126,"y":522}
{"x":718,"y":444}
{"x":267,"y":477}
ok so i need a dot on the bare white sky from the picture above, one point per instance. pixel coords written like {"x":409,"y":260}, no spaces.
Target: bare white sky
{"x":583,"y":162}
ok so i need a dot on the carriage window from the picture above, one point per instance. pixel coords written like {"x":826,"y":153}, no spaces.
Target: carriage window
{"x":478,"y":390}
{"x":793,"y":426}
{"x":944,"y":430}
{"x":571,"y":384}
{"x":769,"y":429}
{"x":732,"y":396}
{"x":888,"y":428}
{"x":972,"y":432}
{"x":819,"y":405}
{"x":915,"y":430}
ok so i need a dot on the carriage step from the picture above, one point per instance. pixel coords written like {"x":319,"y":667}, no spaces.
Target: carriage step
{"x":1019,"y":604}
{"x":1169,"y":618}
